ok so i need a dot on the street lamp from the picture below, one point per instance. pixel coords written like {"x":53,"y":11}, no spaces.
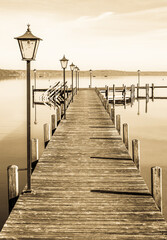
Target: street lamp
{"x":72,"y":66}
{"x":90,"y":78}
{"x":76,"y":71}
{"x":78,"y":77}
{"x":35,"y":77}
{"x":28,"y":44}
{"x":138,"y":77}
{"x":64,"y":63}
{"x":35,"y":86}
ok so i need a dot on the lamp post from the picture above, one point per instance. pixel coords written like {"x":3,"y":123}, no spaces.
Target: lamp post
{"x":90,"y":78}
{"x":35,"y":77}
{"x":76,"y":70}
{"x":78,"y":77}
{"x":35,"y":86}
{"x":64,"y":63}
{"x":72,"y":66}
{"x":138,"y":77}
{"x":28,"y":44}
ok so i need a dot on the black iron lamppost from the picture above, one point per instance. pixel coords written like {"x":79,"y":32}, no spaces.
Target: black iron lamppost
{"x":35,"y":78}
{"x":28,"y":44}
{"x":35,"y":86}
{"x":78,"y":77}
{"x":72,"y":66}
{"x":76,"y":71}
{"x":138,"y":77}
{"x":90,"y":78}
{"x":64,"y":63}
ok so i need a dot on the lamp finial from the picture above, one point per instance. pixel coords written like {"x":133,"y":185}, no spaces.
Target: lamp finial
{"x":28,"y":29}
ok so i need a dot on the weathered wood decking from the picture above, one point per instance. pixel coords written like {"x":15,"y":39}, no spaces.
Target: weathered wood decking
{"x":85,"y":185}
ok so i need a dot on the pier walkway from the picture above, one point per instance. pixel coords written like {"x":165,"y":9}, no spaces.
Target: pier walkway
{"x":85,"y":186}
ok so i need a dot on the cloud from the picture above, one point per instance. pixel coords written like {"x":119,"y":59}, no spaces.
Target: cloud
{"x":94,"y":19}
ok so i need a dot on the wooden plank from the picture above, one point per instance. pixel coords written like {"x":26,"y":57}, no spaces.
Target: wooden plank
{"x":86,"y":185}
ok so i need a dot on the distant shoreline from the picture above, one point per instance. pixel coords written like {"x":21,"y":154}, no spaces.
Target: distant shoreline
{"x":95,"y":73}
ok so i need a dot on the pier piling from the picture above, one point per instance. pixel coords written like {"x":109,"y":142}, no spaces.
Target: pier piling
{"x":118,"y":123}
{"x":46,"y":134}
{"x":53,"y":122}
{"x":126,"y":135}
{"x":34,"y":152}
{"x":156,"y":185}
{"x":136,"y":152}
{"x":13,"y":185}
{"x":113,"y":115}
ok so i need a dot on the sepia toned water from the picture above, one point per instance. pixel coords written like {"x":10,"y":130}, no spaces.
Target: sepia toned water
{"x":150,"y":128}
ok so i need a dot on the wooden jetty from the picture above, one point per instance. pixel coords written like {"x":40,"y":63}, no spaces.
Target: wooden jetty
{"x":85,"y":185}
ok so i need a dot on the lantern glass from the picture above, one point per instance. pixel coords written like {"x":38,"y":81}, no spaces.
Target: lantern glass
{"x":28,"y":49}
{"x":72,"y":66}
{"x":64,"y":62}
{"x":28,"y":44}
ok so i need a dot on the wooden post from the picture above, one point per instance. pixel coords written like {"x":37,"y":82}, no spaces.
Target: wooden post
{"x":124,"y":96}
{"x":156,"y":185}
{"x":131,"y":95}
{"x":126,"y":135}
{"x":53,"y":122}
{"x":58,"y":114}
{"x":107,"y":92}
{"x":131,"y":91}
{"x":147,"y":92}
{"x":34,"y":152}
{"x":137,"y":91}
{"x":113,"y":96}
{"x":62,"y":109}
{"x":136,"y":152}
{"x":153,"y":92}
{"x":13,"y":185}
{"x":113,"y":115}
{"x":46,"y":134}
{"x":109,"y":109}
{"x":118,"y":123}
{"x":33,"y":96}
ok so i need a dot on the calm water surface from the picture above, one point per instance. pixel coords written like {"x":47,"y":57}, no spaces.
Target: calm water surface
{"x":150,"y":128}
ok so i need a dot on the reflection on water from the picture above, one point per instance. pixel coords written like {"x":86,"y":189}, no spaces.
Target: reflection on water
{"x":150,"y":128}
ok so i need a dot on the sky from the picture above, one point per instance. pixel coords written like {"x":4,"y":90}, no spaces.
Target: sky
{"x":98,"y":34}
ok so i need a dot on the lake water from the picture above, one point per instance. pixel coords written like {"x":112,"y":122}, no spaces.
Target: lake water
{"x":150,"y":128}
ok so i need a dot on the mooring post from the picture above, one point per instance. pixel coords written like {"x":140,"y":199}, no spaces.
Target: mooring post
{"x":58,"y":114}
{"x":109,"y":109}
{"x":113,"y":115}
{"x":32,"y":96}
{"x":13,"y":185}
{"x":46,"y":134}
{"x":53,"y":122}
{"x":124,"y":96}
{"x":113,"y":95}
{"x":62,"y":110}
{"x":147,"y":92}
{"x":126,"y":135}
{"x":131,"y":95}
{"x":136,"y":152}
{"x":34,"y":152}
{"x":35,"y":149}
{"x":156,"y":185}
{"x":118,"y":123}
{"x":131,"y":91}
{"x":106,"y":92}
{"x":137,"y":90}
{"x":153,"y":92}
